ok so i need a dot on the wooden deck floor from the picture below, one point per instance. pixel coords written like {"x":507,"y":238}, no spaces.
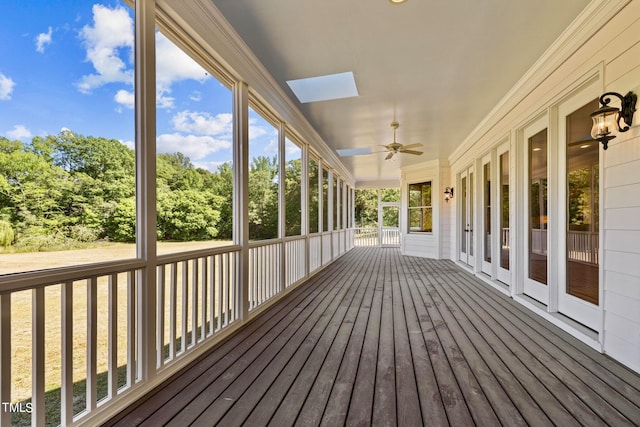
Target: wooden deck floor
{"x":381,"y":339}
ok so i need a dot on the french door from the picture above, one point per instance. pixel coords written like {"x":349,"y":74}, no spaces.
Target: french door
{"x":536,"y":202}
{"x":579,"y":271}
{"x":503,"y":205}
{"x":466,"y":217}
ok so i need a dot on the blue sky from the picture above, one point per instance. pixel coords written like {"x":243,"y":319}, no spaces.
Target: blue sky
{"x":69,"y":65}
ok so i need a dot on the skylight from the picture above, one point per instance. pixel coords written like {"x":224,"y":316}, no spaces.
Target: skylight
{"x":324,"y":88}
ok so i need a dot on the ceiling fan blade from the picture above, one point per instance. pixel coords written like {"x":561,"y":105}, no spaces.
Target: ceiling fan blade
{"x":412,"y":146}
{"x":390,"y":155}
{"x":415,"y":153}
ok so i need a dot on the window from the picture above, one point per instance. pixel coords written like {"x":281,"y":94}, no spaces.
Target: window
{"x":263,"y":178}
{"x":293,"y":188}
{"x":420,"y":211}
{"x":336,"y":202}
{"x":194,"y":153}
{"x":325,"y":199}
{"x":67,"y":179}
{"x":314,"y":198}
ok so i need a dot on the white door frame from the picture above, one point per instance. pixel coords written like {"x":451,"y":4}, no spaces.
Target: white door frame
{"x":502,"y":274}
{"x":532,"y":288}
{"x":487,"y":266}
{"x":465,"y":228}
{"x":576,"y":308}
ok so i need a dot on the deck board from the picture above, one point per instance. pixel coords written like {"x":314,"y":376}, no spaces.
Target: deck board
{"x":377,"y":338}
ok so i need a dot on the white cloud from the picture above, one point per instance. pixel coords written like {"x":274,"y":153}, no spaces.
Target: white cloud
{"x":112,"y":31}
{"x":195,"y":147}
{"x":272,"y":147}
{"x":19,"y":132}
{"x":289,"y":148}
{"x":43,"y":39}
{"x":6,"y":87}
{"x":173,"y":64}
{"x":202,"y":123}
{"x":129,"y":144}
{"x":210,"y":166}
{"x":125,"y":98}
{"x":196,"y":96}
{"x":258,"y":130}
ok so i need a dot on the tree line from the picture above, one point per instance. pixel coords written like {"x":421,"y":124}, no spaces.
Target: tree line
{"x":66,"y":190}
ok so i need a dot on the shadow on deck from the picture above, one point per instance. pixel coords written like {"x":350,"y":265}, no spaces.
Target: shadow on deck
{"x":377,"y":338}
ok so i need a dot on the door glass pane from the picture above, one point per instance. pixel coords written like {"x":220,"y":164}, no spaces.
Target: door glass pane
{"x":582,"y":206}
{"x":465,"y":226}
{"x":538,"y":207}
{"x":487,"y":212}
{"x":504,"y":211}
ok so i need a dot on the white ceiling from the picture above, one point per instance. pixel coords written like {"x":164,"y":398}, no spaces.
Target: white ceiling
{"x":436,"y":66}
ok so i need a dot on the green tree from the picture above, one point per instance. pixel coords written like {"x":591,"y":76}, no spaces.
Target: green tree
{"x":221,"y":184}
{"x":188,"y":215}
{"x":293,"y":197}
{"x":366,"y":208}
{"x":263,"y":198}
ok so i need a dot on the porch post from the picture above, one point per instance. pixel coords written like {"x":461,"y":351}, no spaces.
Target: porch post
{"x":282,"y":221}
{"x":304,"y":193}
{"x":145,"y":111}
{"x":241,"y":192}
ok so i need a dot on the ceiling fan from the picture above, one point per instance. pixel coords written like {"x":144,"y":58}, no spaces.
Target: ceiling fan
{"x":392,"y":149}
{"x":395,"y":147}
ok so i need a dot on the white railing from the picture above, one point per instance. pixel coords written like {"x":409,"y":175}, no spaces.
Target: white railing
{"x":264,"y":272}
{"x":342,"y":242}
{"x":390,"y":236}
{"x":374,"y":236}
{"x":327,"y":241}
{"x":83,"y":350}
{"x":295,"y":259}
{"x":197,"y":296}
{"x":539,"y":242}
{"x":335,"y":242}
{"x":366,"y":236}
{"x":504,"y":238}
{"x":350,"y":238}
{"x":582,"y":246}
{"x":315,"y":252}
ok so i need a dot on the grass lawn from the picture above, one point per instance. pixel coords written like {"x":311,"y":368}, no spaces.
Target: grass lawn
{"x":21,"y":323}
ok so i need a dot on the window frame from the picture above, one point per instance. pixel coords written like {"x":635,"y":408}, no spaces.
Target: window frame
{"x":410,"y":208}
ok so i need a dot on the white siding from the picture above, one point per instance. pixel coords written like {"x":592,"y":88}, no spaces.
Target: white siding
{"x":426,"y":245}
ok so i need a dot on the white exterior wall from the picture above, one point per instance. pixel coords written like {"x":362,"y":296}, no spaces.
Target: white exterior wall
{"x":425,"y":245}
{"x":604,"y":56}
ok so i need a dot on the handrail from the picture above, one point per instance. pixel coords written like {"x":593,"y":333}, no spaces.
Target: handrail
{"x":181,"y":256}
{"x":15,"y":282}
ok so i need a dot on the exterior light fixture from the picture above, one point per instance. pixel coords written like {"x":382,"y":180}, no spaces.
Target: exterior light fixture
{"x":606,"y":119}
{"x":397,"y":1}
{"x":448,"y":194}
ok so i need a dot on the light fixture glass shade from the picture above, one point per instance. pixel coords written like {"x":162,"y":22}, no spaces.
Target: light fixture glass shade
{"x":605,"y":121}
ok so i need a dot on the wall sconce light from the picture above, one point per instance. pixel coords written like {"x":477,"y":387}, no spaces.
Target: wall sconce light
{"x":448,"y":194}
{"x":606,"y":119}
